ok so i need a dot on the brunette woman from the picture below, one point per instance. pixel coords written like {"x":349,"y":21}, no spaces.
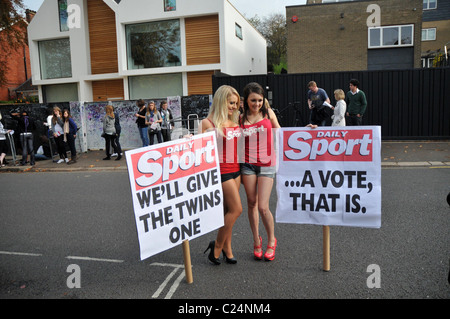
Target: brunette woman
{"x":153,"y":119}
{"x":70,"y":133}
{"x":140,"y":121}
{"x":258,"y":171}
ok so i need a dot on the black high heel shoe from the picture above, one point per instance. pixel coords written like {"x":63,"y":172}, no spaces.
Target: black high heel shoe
{"x":229,"y":260}
{"x":211,"y":257}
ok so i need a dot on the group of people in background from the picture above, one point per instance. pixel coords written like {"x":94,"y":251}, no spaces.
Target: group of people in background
{"x":348,"y":111}
{"x":63,"y":129}
{"x":152,"y":122}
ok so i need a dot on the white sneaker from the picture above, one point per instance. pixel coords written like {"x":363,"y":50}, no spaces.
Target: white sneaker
{"x":113,"y":154}
{"x":67,"y":160}
{"x":60,"y":161}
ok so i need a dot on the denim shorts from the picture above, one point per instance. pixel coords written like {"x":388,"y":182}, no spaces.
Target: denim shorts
{"x":265,"y":171}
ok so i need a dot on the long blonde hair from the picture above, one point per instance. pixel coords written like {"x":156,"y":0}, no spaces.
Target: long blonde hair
{"x":218,"y":113}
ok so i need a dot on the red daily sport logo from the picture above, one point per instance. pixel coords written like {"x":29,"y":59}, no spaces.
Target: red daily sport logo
{"x":172,"y":162}
{"x":329,"y":145}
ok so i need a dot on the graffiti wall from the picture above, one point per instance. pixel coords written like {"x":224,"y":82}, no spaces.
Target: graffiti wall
{"x":89,"y":118}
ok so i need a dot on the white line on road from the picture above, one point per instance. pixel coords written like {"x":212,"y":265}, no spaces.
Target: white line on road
{"x":163,"y":285}
{"x":175,"y":286}
{"x":176,"y":283}
{"x":95,"y":259}
{"x":169,"y":294}
{"x":19,"y":254}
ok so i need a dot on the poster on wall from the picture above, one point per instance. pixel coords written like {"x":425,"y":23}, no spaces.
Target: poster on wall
{"x":176,"y":192}
{"x":329,"y":176}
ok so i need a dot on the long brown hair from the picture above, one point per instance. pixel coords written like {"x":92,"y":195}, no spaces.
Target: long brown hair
{"x":253,"y":87}
{"x":65,"y":119}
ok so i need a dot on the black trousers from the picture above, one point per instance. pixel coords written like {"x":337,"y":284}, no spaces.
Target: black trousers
{"x":111,"y":140}
{"x":71,"y":142}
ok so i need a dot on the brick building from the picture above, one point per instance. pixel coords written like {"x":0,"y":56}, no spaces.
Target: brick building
{"x":335,"y":36}
{"x":19,"y":68}
{"x":435,"y":32}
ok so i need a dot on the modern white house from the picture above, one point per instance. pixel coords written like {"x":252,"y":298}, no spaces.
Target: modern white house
{"x":98,"y":50}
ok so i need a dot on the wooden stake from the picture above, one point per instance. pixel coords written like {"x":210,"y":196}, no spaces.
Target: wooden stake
{"x":187,"y":262}
{"x":326,"y":248}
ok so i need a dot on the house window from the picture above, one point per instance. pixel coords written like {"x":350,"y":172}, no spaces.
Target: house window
{"x":391,"y":36}
{"x":54,"y":58}
{"x":429,"y":4}
{"x":170,"y":5}
{"x":155,"y":86}
{"x":238,"y":30}
{"x":427,"y":62}
{"x":429,"y":34}
{"x":153,"y":44}
{"x":62,"y":9}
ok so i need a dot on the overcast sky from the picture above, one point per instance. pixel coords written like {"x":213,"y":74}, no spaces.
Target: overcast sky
{"x":249,"y":8}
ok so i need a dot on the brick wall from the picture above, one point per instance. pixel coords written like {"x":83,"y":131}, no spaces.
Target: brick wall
{"x":334,"y":36}
{"x":17,"y":72}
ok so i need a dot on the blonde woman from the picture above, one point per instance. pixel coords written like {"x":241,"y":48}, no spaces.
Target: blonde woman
{"x":109,"y":133}
{"x":340,"y":108}
{"x":223,"y":118}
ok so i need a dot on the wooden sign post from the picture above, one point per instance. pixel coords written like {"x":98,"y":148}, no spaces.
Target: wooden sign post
{"x":187,"y":262}
{"x":326,"y":248}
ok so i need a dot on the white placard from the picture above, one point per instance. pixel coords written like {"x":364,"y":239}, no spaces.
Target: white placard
{"x":329,"y":176}
{"x":176,"y":190}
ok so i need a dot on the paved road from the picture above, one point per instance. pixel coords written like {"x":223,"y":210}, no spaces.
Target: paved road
{"x":53,"y":220}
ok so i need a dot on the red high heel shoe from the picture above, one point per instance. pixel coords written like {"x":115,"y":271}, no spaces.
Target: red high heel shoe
{"x":271,"y":256}
{"x":258,"y":255}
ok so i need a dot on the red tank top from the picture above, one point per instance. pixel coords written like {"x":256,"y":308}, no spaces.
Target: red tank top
{"x":228,"y":149}
{"x":259,"y":149}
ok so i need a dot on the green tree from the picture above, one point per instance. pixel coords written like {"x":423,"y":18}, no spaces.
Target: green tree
{"x":12,"y":32}
{"x":273,"y":28}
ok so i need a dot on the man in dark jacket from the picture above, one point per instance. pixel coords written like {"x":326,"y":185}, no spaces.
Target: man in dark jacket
{"x":25,"y":127}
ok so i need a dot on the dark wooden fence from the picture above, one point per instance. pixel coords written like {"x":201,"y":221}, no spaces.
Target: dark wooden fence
{"x":407,"y":104}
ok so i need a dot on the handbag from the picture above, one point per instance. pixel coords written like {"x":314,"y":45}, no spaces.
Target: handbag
{"x":153,"y":128}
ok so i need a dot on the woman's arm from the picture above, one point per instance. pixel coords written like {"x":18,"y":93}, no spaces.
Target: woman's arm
{"x":273,"y":119}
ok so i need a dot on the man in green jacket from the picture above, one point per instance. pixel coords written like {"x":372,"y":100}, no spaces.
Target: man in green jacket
{"x":356,"y":104}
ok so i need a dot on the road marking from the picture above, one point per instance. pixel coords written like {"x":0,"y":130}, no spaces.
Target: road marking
{"x":95,"y":259}
{"x":176,"y":283}
{"x":175,"y":286}
{"x":19,"y":254}
{"x":157,"y":293}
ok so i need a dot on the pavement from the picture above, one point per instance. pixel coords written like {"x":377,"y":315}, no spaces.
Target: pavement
{"x":393,"y":154}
